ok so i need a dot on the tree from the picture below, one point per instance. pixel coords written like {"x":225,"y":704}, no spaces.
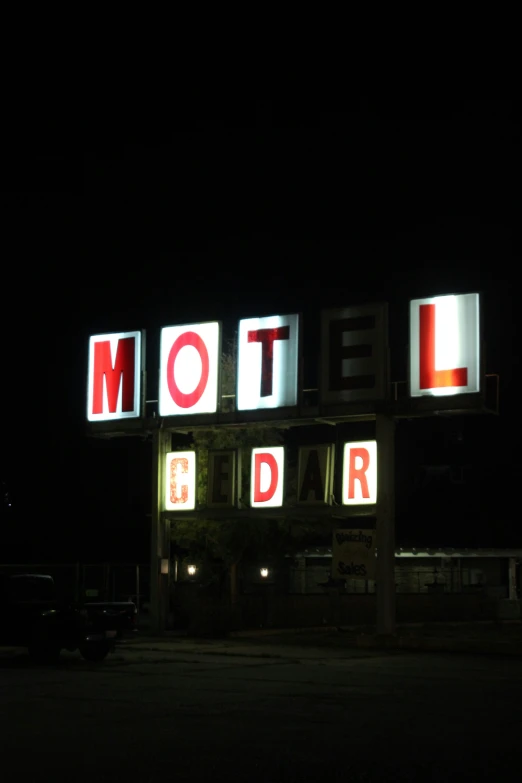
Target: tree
{"x":221,"y":544}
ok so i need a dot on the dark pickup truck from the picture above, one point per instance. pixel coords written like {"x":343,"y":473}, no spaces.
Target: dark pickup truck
{"x":32,"y":616}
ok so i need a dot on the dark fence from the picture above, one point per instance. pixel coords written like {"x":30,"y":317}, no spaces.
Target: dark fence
{"x":267,"y":609}
{"x":264,"y":606}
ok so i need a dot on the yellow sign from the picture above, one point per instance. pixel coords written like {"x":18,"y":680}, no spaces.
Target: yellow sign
{"x":353,"y":554}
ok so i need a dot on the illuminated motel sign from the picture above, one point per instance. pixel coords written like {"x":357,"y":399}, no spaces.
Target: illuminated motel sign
{"x":360,"y":473}
{"x":444,"y":345}
{"x":444,"y":360}
{"x":267,"y":375}
{"x":190,"y":357}
{"x":180,"y":481}
{"x":267,"y":477}
{"x":114,"y":376}
{"x":353,"y":359}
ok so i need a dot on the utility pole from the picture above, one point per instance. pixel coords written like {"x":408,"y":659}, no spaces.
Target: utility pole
{"x":159,"y":534}
{"x":385,"y":566}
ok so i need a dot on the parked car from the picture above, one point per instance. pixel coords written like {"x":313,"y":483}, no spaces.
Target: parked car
{"x":32,"y":616}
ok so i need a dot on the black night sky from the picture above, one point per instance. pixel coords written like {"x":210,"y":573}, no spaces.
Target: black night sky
{"x":255,"y":210}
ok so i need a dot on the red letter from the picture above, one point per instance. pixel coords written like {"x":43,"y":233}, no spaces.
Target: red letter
{"x":178,"y":494}
{"x":429,"y":377}
{"x":179,"y":397}
{"x":261,"y":497}
{"x":358,"y":473}
{"x":123,"y":367}
{"x":266,"y":337}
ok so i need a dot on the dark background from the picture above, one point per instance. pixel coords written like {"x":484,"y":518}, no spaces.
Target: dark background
{"x":255,"y":209}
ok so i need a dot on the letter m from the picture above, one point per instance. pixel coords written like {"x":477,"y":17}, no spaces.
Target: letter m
{"x":113,"y":375}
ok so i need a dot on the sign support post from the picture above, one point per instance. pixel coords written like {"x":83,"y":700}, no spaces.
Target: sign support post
{"x":385,"y":566}
{"x":159,"y":534}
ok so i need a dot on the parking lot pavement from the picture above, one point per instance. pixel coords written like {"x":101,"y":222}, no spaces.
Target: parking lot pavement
{"x":158,"y":710}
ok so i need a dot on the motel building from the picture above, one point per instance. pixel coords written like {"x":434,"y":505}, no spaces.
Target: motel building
{"x":323,"y":462}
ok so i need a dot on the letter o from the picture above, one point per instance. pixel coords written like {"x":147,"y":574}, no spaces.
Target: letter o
{"x":179,"y":397}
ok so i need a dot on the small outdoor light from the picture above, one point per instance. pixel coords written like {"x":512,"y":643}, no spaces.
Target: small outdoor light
{"x":191,"y":570}
{"x":263,"y":572}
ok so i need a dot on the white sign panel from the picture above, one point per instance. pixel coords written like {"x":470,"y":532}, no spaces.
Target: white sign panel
{"x":267,"y":477}
{"x":268,"y":352}
{"x":180,"y":481}
{"x":445,"y":345}
{"x":360,"y":473}
{"x":354,"y":353}
{"x":189,"y":369}
{"x":353,"y":554}
{"x":114,"y":377}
